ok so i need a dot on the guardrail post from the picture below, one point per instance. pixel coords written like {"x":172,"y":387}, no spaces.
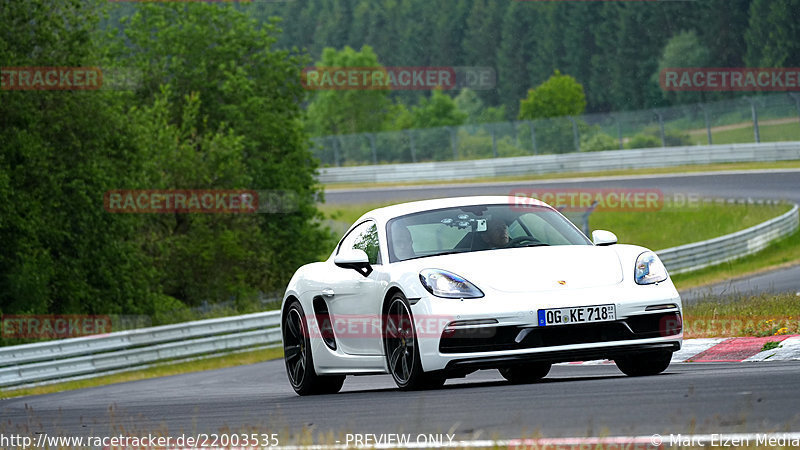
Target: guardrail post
{"x":619,"y":131}
{"x":796,"y":98}
{"x":708,"y":123}
{"x":335,"y":151}
{"x":756,"y":132}
{"x":575,"y":136}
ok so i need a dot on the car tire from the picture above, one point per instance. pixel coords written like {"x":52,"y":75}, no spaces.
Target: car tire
{"x":526,"y":373}
{"x":298,"y":358}
{"x":644,"y":364}
{"x":402,"y":350}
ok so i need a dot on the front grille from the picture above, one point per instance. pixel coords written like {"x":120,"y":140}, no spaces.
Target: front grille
{"x":489,"y":339}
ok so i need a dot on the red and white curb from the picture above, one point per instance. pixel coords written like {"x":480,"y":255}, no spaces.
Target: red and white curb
{"x":736,"y":349}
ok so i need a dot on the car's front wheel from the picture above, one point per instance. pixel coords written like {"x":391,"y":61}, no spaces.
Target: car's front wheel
{"x":298,"y":358}
{"x":402,"y":351}
{"x":643,"y":364}
{"x":526,"y":373}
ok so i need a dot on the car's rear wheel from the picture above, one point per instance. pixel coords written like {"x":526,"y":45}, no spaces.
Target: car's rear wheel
{"x":526,"y":373}
{"x":402,"y":350}
{"x":299,"y":360}
{"x":643,"y":364}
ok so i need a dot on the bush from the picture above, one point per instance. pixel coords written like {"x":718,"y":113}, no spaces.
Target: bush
{"x":675,"y":138}
{"x":599,"y":142}
{"x":643,"y":141}
{"x":652,"y":138}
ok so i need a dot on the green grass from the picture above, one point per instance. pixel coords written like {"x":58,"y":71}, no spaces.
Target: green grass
{"x":768,"y":133}
{"x":738,"y":315}
{"x":677,"y":226}
{"x":562,"y":175}
{"x":770,"y":345}
{"x":160,"y":370}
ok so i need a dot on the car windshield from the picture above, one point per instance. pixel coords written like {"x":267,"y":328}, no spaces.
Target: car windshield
{"x":478,"y":228}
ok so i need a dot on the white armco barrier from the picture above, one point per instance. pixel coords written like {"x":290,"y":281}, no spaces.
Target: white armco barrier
{"x":560,"y":163}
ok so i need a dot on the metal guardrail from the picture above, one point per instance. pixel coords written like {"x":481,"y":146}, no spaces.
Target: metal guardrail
{"x":93,"y":355}
{"x":568,"y":162}
{"x":690,"y":257}
{"x":97,"y":355}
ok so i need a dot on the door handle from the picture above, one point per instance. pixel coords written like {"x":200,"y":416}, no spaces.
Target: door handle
{"x":327,"y":292}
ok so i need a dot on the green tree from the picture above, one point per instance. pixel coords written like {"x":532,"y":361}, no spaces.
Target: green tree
{"x":248,"y":98}
{"x":517,"y":51}
{"x":630,"y":37}
{"x":348,"y":111}
{"x":431,"y":118}
{"x":59,"y":152}
{"x":470,"y":104}
{"x":683,"y":50}
{"x":719,"y":25}
{"x":560,"y":95}
{"x":438,"y":111}
{"x":771,"y":37}
{"x":482,"y":39}
{"x":199,"y":257}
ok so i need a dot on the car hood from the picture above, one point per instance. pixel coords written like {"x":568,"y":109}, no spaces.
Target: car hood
{"x":534,"y":268}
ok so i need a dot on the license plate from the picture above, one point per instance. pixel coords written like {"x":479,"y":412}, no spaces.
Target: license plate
{"x":578,"y":314}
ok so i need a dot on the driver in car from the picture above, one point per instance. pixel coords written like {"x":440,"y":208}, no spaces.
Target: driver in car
{"x":402,"y":243}
{"x":495,"y":236}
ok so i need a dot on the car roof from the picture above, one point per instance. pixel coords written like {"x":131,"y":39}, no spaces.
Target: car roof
{"x":388,"y":212}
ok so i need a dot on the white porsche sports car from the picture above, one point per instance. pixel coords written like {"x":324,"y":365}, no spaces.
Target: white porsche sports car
{"x":438,"y":289}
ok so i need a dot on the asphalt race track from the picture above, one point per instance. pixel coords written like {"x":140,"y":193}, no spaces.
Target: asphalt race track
{"x":574,"y":400}
{"x":778,"y":184}
{"x":777,"y":281}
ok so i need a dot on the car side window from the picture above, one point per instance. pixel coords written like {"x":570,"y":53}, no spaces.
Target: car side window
{"x":364,"y":237}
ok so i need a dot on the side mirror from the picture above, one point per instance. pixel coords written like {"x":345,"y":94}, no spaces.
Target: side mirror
{"x":603,"y":237}
{"x":354,"y":258}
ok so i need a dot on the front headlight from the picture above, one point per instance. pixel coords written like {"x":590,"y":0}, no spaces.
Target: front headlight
{"x":442,"y":283}
{"x":649,"y":269}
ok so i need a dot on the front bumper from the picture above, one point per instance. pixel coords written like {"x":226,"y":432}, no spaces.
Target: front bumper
{"x":514,"y":337}
{"x":467,"y":364}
